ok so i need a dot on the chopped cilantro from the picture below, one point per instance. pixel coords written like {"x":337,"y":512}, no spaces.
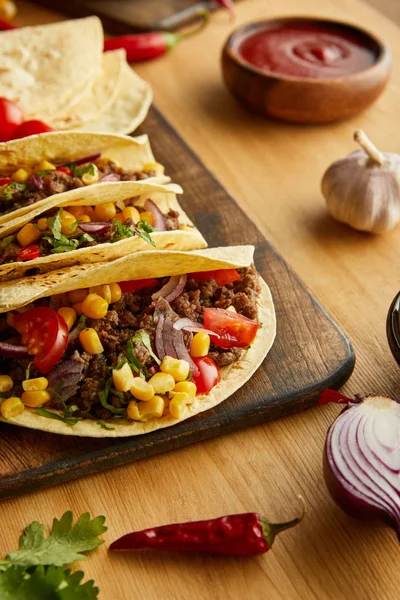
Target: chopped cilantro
{"x":43,"y":412}
{"x":11,"y":188}
{"x":5,"y":242}
{"x":68,"y":410}
{"x":134,"y":362}
{"x":78,"y":171}
{"x":42,"y":173}
{"x":28,"y":371}
{"x":122,"y":232}
{"x":105,"y":426}
{"x":103,"y":396}
{"x":59,"y":241}
{"x":142,"y":229}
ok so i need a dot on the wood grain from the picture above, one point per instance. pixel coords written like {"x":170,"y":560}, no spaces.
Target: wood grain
{"x":300,"y":365}
{"x":273,"y":170}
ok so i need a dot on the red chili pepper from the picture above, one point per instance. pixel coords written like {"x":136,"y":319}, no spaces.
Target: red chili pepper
{"x":28,"y":253}
{"x":5,"y":25}
{"x":5,"y":180}
{"x":246,"y":534}
{"x":65,"y":170}
{"x":145,"y":46}
{"x":328,"y":396}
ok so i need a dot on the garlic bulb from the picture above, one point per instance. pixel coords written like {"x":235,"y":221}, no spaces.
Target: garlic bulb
{"x":363,"y":189}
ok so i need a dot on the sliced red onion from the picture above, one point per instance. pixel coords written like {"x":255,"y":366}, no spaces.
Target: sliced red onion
{"x":190,"y":325}
{"x":80,"y":161}
{"x":362,"y":460}
{"x":181,"y":350}
{"x":69,"y":372}
{"x":158,"y":217}
{"x":168,"y":329}
{"x":12,"y":351}
{"x":94,"y":227}
{"x":189,"y":340}
{"x":159,"y":338}
{"x":172,"y":289}
{"x":110,"y":177}
{"x":37,"y":181}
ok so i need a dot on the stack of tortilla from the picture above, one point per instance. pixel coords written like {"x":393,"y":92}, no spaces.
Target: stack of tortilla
{"x":57,"y":73}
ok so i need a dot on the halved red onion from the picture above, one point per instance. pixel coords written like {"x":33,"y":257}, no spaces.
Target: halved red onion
{"x":362,"y":459}
{"x":81,"y":161}
{"x":37,"y":181}
{"x":110,"y":177}
{"x":94,"y":227}
{"x":158,"y":217}
{"x":12,"y":350}
{"x":172,"y":289}
{"x":190,"y":325}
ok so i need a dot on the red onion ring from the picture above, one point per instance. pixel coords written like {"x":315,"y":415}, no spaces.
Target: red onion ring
{"x":12,"y":351}
{"x":109,"y":177}
{"x":94,"y":227}
{"x":190,"y":325}
{"x":81,"y":161}
{"x":37,"y":181}
{"x":158,"y":217}
{"x":172,"y":289}
{"x":181,"y":350}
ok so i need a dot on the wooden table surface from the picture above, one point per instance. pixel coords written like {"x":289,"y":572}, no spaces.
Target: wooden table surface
{"x":273,"y":170}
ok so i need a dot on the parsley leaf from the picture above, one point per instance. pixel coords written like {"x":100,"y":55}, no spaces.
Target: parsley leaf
{"x":5,"y":242}
{"x":11,"y":188}
{"x":64,"y":545}
{"x":143,"y":336}
{"x":45,"y":583}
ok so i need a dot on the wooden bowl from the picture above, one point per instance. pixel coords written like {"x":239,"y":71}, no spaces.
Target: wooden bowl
{"x":301,"y":99}
{"x":393,"y":327}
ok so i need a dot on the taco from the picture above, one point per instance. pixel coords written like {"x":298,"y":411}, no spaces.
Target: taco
{"x":103,"y":224}
{"x":129,"y":347}
{"x":66,"y":164}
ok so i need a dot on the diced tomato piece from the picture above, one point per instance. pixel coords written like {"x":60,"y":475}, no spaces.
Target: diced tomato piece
{"x":222,"y":276}
{"x":45,"y":333}
{"x":208,"y":375}
{"x":5,"y":180}
{"x":10,"y":118}
{"x":137,"y":284}
{"x":234,"y":330}
{"x":28,"y":253}
{"x":30,"y":128}
{"x":65,"y":170}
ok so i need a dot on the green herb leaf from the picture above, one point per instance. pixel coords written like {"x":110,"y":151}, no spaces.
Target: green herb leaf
{"x":11,"y":188}
{"x":42,"y":173}
{"x":144,"y":229}
{"x":78,"y":171}
{"x":105,"y":426}
{"x":103,"y":396}
{"x":122,"y":232}
{"x":143,"y":336}
{"x":59,"y":241}
{"x":28,"y":371}
{"x":64,"y":545}
{"x":134,"y":362}
{"x":53,"y":415}
{"x":86,"y":237}
{"x":41,"y":583}
{"x":5,"y":242}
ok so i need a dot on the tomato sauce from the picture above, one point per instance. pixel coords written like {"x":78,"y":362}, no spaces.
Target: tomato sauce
{"x":310,"y":49}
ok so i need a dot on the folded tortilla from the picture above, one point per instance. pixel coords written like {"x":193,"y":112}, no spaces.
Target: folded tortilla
{"x":164,"y":196}
{"x":146,"y":265}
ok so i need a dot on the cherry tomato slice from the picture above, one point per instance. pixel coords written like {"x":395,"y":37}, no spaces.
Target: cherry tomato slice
{"x":10,"y":118}
{"x":134,"y":285}
{"x":65,"y":170}
{"x":5,"y":180}
{"x":28,"y":253}
{"x":45,"y":334}
{"x":208,"y":375}
{"x":235,"y":330}
{"x":222,"y":276}
{"x":30,"y":128}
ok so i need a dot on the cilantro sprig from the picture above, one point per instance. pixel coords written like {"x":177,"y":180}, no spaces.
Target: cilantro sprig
{"x":11,"y":188}
{"x":78,"y":171}
{"x":61,"y":242}
{"x":143,"y":229}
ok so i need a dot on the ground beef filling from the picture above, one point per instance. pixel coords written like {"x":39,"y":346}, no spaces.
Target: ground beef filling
{"x":134,"y":312}
{"x":57,"y":182}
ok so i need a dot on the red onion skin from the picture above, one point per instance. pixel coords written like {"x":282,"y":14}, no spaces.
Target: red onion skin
{"x":159,"y":220}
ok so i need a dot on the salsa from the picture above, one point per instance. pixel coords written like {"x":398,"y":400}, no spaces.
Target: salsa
{"x":309,"y":49}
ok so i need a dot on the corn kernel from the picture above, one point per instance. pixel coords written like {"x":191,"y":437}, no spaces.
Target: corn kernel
{"x":185,"y":228}
{"x":85,"y":219}
{"x":116,"y":292}
{"x":12,"y":407}
{"x":130,"y":212}
{"x":105,"y":212}
{"x":141,"y":389}
{"x":89,"y":210}
{"x":185,"y":386}
{"x":35,"y":385}
{"x":35,"y":399}
{"x":162,"y":383}
{"x":179,"y":369}
{"x":67,"y":221}
{"x":20,"y":176}
{"x":90,"y":341}
{"x":45,"y":165}
{"x":119,"y":217}
{"x":147,"y":216}
{"x":123,"y":378}
{"x":68,"y":314}
{"x":42,"y":224}
{"x":177,"y":405}
{"x":77,"y":211}
{"x":78,"y":295}
{"x":200,"y":344}
{"x":88,"y":178}
{"x":94,"y":306}
{"x":133,"y":411}
{"x":154,"y":166}
{"x":78,"y":308}
{"x":152,"y":408}
{"x":6,"y":383}
{"x":28,"y":235}
{"x":101,"y":290}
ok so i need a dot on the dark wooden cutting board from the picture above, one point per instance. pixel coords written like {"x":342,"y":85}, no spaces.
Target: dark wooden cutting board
{"x":310,"y":352}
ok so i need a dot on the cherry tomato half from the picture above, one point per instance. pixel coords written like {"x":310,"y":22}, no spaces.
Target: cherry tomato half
{"x":208,"y":375}
{"x":10,"y":117}
{"x":65,"y":170}
{"x":28,"y":253}
{"x":222,"y":276}
{"x":235,"y":330}
{"x":45,"y":334}
{"x":5,"y":180}
{"x":31,"y":128}
{"x":134,"y":285}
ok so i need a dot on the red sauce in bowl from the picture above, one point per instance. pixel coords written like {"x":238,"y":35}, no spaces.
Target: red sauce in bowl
{"x":308,"y":49}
